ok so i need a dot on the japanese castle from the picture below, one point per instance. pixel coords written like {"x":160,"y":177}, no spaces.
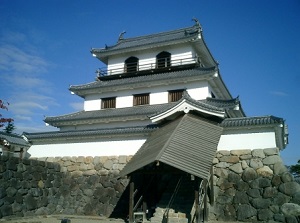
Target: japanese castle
{"x":163,"y":91}
{"x":161,"y":101}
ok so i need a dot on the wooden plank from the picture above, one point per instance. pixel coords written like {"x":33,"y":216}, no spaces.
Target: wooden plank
{"x":131,"y":201}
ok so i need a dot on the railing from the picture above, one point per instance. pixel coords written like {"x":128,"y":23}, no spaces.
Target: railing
{"x":200,"y":214}
{"x":161,"y":63}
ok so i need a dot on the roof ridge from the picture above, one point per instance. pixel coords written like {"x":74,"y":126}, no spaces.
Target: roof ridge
{"x":170,"y":32}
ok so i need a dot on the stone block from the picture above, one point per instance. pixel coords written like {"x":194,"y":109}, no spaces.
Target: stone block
{"x":279,"y":168}
{"x":240,"y":152}
{"x":237,"y":168}
{"x":287,"y":177}
{"x":258,"y":153}
{"x":255,"y":193}
{"x":249,"y":174}
{"x":229,"y":159}
{"x":289,"y":188}
{"x":271,"y":151}
{"x":270,"y":192}
{"x":280,"y":199}
{"x":261,"y":203}
{"x":265,"y":171}
{"x":245,"y":211}
{"x":256,"y":163}
{"x":269,"y":160}
{"x":264,"y":214}
{"x":240,"y":198}
{"x":291,"y":209}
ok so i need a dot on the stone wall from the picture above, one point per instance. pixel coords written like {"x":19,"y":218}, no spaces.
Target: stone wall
{"x":253,"y":186}
{"x":65,"y":185}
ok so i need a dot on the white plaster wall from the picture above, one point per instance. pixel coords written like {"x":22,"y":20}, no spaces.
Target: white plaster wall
{"x":159,"y":98}
{"x":92,"y":105}
{"x":247,"y":141}
{"x":124,"y":101}
{"x":113,"y":148}
{"x":147,"y":58}
{"x":158,"y":95}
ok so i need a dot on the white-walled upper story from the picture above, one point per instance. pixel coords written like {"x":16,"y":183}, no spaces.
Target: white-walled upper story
{"x":147,"y":60}
{"x":157,"y":95}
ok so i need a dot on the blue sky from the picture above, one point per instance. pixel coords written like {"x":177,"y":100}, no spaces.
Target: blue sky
{"x":45,"y":47}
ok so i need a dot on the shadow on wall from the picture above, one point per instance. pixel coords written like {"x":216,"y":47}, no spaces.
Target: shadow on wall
{"x":67,"y":185}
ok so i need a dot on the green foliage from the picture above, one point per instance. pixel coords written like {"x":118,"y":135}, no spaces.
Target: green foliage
{"x":295,"y":169}
{"x":10,"y":127}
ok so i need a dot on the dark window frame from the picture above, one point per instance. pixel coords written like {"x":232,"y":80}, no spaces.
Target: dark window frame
{"x":175,"y":95}
{"x":163,"y":59}
{"x":108,"y":102}
{"x":141,"y":99}
{"x":131,"y":64}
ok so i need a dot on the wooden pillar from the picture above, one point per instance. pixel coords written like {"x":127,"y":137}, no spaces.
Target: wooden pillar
{"x":212,"y":192}
{"x":131,"y":200}
{"x":205,"y":211}
{"x":197,"y":208}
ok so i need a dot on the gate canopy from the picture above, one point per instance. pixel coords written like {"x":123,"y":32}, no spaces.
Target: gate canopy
{"x":188,"y":143}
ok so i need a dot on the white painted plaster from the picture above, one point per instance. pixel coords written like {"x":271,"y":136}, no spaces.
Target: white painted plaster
{"x":112,"y":148}
{"x":247,"y":141}
{"x":92,"y":105}
{"x":124,"y":101}
{"x":159,"y":98}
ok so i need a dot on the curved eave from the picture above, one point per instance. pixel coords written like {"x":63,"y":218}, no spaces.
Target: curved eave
{"x":77,"y":135}
{"x":96,"y":120}
{"x":147,"y":42}
{"x":151,"y":80}
{"x":185,"y":106}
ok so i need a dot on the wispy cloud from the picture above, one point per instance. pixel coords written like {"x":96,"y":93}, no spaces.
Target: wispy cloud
{"x":279,"y":93}
{"x":77,"y":106}
{"x":23,"y":79}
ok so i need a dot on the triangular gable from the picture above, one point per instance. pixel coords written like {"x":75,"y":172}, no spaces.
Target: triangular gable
{"x":189,"y":143}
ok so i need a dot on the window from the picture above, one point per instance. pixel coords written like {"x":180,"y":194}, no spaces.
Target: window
{"x":163,"y":59}
{"x":131,"y":64}
{"x":141,"y":99}
{"x":108,"y":102}
{"x":175,"y":95}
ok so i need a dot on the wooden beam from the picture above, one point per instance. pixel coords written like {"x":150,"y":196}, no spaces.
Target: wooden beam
{"x":131,"y":201}
{"x":197,"y":202}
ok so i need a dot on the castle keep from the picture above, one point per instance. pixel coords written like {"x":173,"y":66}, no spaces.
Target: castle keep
{"x":162,"y":137}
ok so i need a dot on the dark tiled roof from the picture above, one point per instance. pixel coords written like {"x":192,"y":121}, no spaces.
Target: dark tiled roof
{"x":90,"y":133}
{"x":146,"y":79}
{"x":153,"y":39}
{"x":14,"y":139}
{"x":180,"y":144}
{"x":251,"y":121}
{"x":135,"y":112}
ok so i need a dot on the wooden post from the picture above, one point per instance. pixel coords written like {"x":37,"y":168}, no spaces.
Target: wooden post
{"x":131,"y":200}
{"x":205,"y":200}
{"x":212,"y":192}
{"x":197,"y":210}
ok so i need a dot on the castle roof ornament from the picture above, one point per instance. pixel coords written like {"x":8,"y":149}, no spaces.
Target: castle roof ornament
{"x":121,"y":36}
{"x":197,"y":23}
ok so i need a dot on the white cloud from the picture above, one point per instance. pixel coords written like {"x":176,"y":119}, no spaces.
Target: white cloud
{"x":279,"y":93}
{"x":23,"y":81}
{"x":77,"y":106}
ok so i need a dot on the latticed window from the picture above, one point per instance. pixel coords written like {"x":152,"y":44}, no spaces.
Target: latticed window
{"x":140,"y":99}
{"x":163,"y":59}
{"x":175,"y":95}
{"x":131,"y":64}
{"x":108,"y":102}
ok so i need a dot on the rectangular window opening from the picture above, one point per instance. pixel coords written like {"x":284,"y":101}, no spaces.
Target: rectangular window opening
{"x":141,"y":99}
{"x":175,"y":95}
{"x":108,"y":102}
